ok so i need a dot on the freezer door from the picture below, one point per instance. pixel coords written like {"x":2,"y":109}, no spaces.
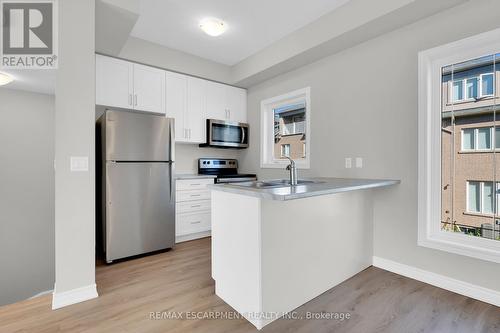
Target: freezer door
{"x":138,"y":137}
{"x":140,"y":208}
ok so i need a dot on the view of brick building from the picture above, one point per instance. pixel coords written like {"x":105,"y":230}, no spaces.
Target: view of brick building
{"x":289,"y":132}
{"x":470,"y":147}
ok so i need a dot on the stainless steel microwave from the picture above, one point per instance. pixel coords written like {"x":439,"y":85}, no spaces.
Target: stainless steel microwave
{"x":226,"y":134}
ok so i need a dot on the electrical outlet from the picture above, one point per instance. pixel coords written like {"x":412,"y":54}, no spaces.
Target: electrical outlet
{"x":359,"y":162}
{"x":348,"y":162}
{"x":79,"y":163}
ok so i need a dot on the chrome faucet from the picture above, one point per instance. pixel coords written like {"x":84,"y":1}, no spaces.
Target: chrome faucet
{"x":293,"y":171}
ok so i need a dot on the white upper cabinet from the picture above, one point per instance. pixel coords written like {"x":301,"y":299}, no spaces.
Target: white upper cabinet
{"x":114,"y":82}
{"x":216,"y":101}
{"x":226,"y":102}
{"x":189,"y":100}
{"x":186,"y":103}
{"x":236,"y":99}
{"x":123,"y":84}
{"x":149,"y":89}
{"x":196,"y":110}
{"x":176,"y":102}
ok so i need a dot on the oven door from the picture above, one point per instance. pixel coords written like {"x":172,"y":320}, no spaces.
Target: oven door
{"x":227,"y":134}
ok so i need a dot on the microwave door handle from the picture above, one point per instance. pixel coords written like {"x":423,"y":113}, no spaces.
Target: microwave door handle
{"x":242,"y":134}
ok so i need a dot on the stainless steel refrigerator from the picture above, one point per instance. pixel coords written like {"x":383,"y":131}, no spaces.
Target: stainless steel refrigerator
{"x":136,"y":175}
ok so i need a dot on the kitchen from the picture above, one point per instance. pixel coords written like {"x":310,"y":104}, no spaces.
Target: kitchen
{"x":251,"y":179}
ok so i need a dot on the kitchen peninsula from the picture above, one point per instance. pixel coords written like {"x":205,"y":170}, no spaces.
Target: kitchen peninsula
{"x":276,"y":246}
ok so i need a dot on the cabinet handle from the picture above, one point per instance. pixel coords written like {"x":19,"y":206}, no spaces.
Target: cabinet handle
{"x":195,"y":184}
{"x":195,"y":222}
{"x":129,"y":99}
{"x":135,"y":99}
{"x":195,"y":195}
{"x":228,"y":114}
{"x":195,"y":206}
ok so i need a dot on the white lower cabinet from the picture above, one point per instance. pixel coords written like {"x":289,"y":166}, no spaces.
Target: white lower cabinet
{"x":192,"y":209}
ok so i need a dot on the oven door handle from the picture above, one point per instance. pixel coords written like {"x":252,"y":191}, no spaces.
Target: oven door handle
{"x":242,"y":135}
{"x":235,"y":180}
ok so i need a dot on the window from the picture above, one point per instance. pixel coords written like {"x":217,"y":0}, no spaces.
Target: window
{"x":480,"y":139}
{"x":468,"y":139}
{"x":480,"y":197}
{"x":497,"y":138}
{"x":487,"y":84}
{"x":484,"y":138}
{"x":474,"y":196}
{"x":458,"y":90}
{"x":285,"y":150}
{"x":459,"y":193}
{"x":472,"y":88}
{"x":285,"y":129}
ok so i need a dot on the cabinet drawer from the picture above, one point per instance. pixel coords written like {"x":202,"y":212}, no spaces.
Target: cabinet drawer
{"x":192,"y":206}
{"x":192,"y":223}
{"x":192,"y":195}
{"x":193,"y":184}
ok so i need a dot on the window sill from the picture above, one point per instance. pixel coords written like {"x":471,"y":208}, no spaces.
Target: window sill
{"x":479,"y":151}
{"x":471,"y":100}
{"x":479,"y":214}
{"x":466,"y":245}
{"x":283,"y":164}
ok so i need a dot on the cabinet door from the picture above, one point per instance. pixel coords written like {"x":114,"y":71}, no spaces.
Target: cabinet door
{"x":114,"y":82}
{"x":196,"y":110}
{"x":149,"y":89}
{"x":175,"y":101}
{"x":216,"y":101}
{"x":236,"y":99}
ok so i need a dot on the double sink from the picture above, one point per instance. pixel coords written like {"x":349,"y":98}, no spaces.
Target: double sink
{"x":276,"y":183}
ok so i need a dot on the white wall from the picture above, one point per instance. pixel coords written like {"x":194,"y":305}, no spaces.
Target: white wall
{"x":26,"y":194}
{"x":364,"y":103}
{"x":75,"y":136}
{"x":140,"y":50}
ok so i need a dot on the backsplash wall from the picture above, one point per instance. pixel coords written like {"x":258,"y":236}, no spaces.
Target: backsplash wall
{"x":186,"y":156}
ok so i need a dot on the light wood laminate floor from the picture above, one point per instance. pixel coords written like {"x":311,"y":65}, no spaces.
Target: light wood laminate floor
{"x":179,"y":281}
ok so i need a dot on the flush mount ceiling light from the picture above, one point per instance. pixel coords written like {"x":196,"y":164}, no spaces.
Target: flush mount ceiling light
{"x":213,"y":26}
{"x":5,"y":79}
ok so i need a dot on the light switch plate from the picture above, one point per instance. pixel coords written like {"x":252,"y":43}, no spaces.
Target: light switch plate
{"x":359,"y":162}
{"x":348,"y":162}
{"x":79,"y":163}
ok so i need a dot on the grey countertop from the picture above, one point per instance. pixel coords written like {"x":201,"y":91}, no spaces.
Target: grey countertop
{"x":192,"y":176}
{"x":322,"y":186}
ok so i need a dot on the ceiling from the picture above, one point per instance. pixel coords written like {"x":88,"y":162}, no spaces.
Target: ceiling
{"x":252,"y":24}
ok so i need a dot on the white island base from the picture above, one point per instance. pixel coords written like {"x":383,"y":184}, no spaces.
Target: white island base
{"x":271,"y":256}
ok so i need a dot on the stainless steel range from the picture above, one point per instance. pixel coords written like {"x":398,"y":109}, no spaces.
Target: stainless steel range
{"x":226,"y":170}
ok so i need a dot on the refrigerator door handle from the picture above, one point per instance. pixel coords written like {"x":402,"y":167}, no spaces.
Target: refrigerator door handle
{"x":172,"y":156}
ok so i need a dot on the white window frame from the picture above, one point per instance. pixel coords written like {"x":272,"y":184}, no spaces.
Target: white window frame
{"x":463,"y":82}
{"x":451,"y":100}
{"x":267,"y":159}
{"x":481,"y":197}
{"x":474,"y":132}
{"x":283,"y":149}
{"x":467,"y":196}
{"x":476,"y":139}
{"x":481,"y":85}
{"x":430,"y":63}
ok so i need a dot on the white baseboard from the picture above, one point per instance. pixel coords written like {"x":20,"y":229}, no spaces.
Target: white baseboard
{"x":185,"y":238}
{"x":457,"y":286}
{"x":46,"y":292}
{"x":74,"y":296}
